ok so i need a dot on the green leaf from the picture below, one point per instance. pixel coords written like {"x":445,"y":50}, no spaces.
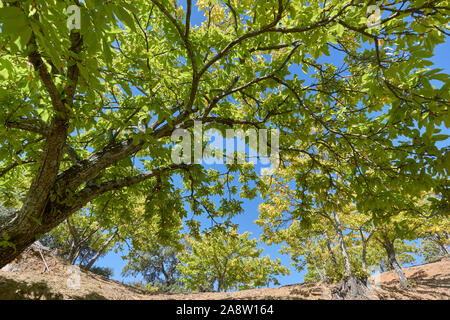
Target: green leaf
{"x":126,"y":87}
{"x":10,"y":14}
{"x":6,"y":69}
{"x":125,"y":17}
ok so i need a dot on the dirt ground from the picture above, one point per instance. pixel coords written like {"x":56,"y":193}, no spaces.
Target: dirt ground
{"x":27,"y":278}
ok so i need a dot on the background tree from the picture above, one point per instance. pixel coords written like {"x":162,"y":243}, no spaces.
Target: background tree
{"x":319,"y":254}
{"x":416,"y":217}
{"x":90,"y":234}
{"x":224,"y":260}
{"x":158,"y":267}
{"x":321,"y":206}
{"x":435,"y":246}
{"x":80,"y":240}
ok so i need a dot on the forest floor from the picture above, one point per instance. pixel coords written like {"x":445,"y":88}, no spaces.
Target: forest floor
{"x":25,"y":278}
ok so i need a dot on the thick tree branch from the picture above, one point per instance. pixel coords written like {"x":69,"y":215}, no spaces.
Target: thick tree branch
{"x":37,"y":196}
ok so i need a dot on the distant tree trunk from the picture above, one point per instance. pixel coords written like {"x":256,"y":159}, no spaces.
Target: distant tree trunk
{"x":388,"y":245}
{"x":341,"y":241}
{"x":439,"y":241}
{"x":100,"y":252}
{"x":330,"y":250}
{"x":321,"y":275}
{"x":221,"y":278}
{"x":351,"y":287}
{"x":364,"y":250}
{"x":382,"y":265}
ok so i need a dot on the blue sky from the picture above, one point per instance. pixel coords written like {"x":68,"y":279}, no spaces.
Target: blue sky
{"x":246,"y":220}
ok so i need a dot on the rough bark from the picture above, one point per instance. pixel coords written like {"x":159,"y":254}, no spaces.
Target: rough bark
{"x":27,"y":226}
{"x":29,"y":223}
{"x":352,"y":288}
{"x":24,"y":233}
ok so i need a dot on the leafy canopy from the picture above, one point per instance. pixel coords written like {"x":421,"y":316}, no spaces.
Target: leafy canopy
{"x":225,"y":260}
{"x":87,"y":114}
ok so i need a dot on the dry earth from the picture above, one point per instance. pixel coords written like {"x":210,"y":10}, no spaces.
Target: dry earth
{"x":27,"y":278}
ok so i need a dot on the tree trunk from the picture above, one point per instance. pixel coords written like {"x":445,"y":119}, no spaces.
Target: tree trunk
{"x":41,"y":213}
{"x":392,"y":261}
{"x":382,"y":265}
{"x":321,"y":275}
{"x":364,"y":251}
{"x":21,"y":239}
{"x":439,"y":241}
{"x":341,"y":241}
{"x":27,"y":230}
{"x":351,"y":287}
{"x":100,"y":252}
{"x":72,"y":252}
{"x":330,"y":250}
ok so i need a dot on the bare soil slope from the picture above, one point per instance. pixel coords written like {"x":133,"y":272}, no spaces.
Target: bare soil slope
{"x":25,"y":278}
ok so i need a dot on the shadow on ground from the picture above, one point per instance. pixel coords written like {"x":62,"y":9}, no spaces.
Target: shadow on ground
{"x":21,"y":290}
{"x":419,"y":284}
